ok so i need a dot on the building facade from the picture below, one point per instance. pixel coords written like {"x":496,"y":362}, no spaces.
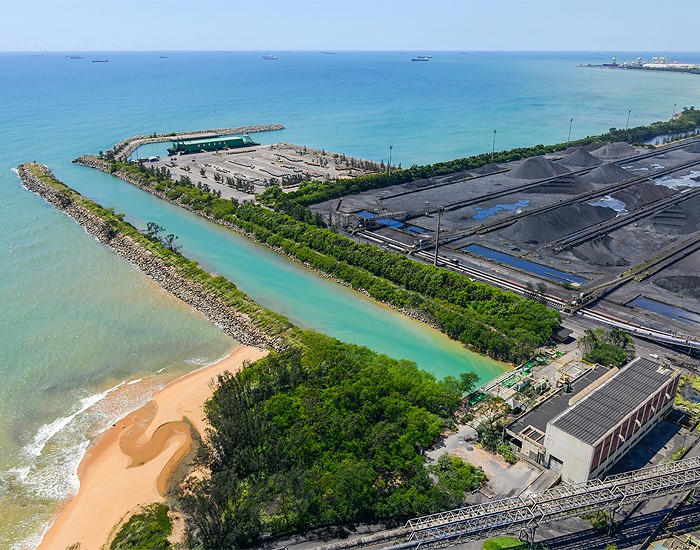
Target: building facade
{"x":602,"y":422}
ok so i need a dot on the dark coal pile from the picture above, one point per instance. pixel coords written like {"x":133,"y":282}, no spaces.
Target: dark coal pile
{"x":557,"y":223}
{"x":456,"y":176}
{"x":613,"y":151}
{"x":568,"y":184}
{"x":607,"y":173}
{"x":537,"y":168}
{"x":685,"y":285}
{"x":681,"y":219}
{"x":693,"y":147}
{"x":597,"y":252}
{"x":418,"y":184}
{"x":641,"y":194}
{"x":488,"y":169}
{"x":580,"y":159}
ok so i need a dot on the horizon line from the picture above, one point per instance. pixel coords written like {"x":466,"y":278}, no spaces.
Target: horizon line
{"x":334,"y":50}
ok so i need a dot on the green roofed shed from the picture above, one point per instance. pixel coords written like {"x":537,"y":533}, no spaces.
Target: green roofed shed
{"x":210,"y":144}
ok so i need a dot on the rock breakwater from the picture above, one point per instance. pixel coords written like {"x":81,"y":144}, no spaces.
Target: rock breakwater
{"x":105,"y":166}
{"x":124,"y":149}
{"x":235,"y":323}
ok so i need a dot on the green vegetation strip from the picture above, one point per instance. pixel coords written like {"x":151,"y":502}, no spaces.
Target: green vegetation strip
{"x":271,"y":323}
{"x":611,"y":348}
{"x":147,"y":530}
{"x":490,"y":320}
{"x":502,"y":543}
{"x":323,"y":434}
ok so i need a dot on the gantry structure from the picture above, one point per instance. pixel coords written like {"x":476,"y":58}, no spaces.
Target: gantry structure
{"x":526,"y":513}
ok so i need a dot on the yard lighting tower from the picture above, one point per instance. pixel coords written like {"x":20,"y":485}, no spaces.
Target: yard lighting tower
{"x":440,"y":209}
{"x":493,"y":145}
{"x":628,"y":119}
{"x":390,"y":148}
{"x":674,"y":111}
{"x":571,"y":122}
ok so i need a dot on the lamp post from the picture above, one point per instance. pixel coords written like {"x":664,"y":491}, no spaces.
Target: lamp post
{"x":437,"y":235}
{"x":493,"y":145}
{"x":390,"y":148}
{"x":674,"y":111}
{"x":627,"y":125}
{"x":569,"y":138}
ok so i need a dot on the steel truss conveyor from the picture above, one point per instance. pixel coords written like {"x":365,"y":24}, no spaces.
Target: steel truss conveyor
{"x":512,"y":514}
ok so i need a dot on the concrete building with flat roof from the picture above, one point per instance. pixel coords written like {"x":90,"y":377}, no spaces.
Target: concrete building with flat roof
{"x":582,"y":434}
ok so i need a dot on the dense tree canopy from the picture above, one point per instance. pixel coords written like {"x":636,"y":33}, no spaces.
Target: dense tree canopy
{"x":612,"y":349}
{"x":321,"y":435}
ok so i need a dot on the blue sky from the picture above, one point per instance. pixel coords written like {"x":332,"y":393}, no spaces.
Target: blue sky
{"x":617,"y":25}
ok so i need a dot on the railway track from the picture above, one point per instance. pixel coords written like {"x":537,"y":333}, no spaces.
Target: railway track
{"x":584,"y":308}
{"x":591,"y":195}
{"x":604,"y":228}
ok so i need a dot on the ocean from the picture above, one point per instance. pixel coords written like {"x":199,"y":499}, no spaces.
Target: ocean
{"x":85,"y":337}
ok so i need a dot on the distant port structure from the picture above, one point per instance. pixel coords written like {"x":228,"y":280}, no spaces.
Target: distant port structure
{"x":236,"y":167}
{"x":656,"y":63}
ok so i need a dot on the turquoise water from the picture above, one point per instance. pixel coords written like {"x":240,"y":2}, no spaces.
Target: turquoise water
{"x":77,"y":321}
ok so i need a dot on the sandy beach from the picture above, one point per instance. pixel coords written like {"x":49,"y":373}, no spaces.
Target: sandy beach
{"x":129,"y":464}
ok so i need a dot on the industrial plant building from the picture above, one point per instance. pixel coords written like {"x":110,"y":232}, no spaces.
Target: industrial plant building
{"x":583,"y":433}
{"x":183,"y":146}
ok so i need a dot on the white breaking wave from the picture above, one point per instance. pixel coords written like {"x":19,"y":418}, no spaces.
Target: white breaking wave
{"x":48,"y":431}
{"x":50,"y":471}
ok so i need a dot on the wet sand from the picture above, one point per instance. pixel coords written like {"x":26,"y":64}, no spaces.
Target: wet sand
{"x":130,"y":464}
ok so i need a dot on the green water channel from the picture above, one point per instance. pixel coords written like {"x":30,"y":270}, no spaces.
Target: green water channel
{"x":275,"y":282}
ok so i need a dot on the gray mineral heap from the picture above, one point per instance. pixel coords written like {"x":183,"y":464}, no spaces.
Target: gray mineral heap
{"x":607,"y":173}
{"x":614,"y":151}
{"x":537,"y":168}
{"x":580,"y":158}
{"x":568,"y":184}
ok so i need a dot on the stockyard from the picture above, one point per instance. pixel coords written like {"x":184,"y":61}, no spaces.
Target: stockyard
{"x":608,"y":224}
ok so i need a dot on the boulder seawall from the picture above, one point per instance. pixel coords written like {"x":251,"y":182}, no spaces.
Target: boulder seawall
{"x":237,"y":324}
{"x":104,"y":166}
{"x":126,"y":147}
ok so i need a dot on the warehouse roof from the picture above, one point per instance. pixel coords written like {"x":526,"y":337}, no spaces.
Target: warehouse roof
{"x":604,"y":408}
{"x":543,"y":413}
{"x":199,"y":141}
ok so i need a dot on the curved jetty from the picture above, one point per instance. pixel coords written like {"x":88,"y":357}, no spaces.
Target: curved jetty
{"x":258,"y":327}
{"x":124,"y":149}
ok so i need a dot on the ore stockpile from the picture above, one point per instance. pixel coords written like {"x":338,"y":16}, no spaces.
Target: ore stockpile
{"x":575,"y":221}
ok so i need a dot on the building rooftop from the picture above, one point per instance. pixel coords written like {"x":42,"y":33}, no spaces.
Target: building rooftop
{"x":199,"y":141}
{"x":596,"y":414}
{"x":542,"y":414}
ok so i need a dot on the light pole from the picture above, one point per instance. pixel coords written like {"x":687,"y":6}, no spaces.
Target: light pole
{"x":437,"y":236}
{"x":569,"y":138}
{"x":390,"y":148}
{"x":674,"y":111}
{"x":493,"y":146}
{"x":628,"y":119}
